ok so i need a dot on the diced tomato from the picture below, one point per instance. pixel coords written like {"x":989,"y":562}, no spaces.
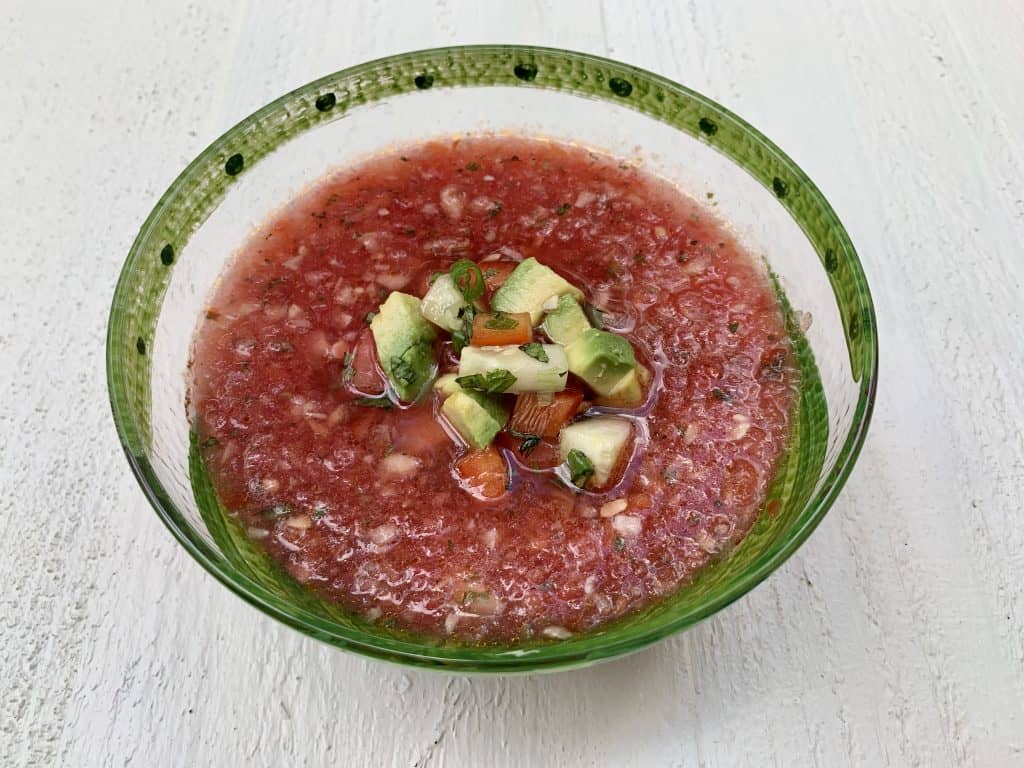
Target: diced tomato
{"x":421,"y":434}
{"x":544,"y":414}
{"x":619,"y":469}
{"x":483,"y":474}
{"x":537,"y":455}
{"x":498,"y":328}
{"x":362,"y":371}
{"x":495,"y":274}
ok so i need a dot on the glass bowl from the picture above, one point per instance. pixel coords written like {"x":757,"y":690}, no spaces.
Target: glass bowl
{"x":268,"y":158}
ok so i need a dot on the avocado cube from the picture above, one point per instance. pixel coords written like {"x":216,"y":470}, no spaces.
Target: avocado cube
{"x":475,"y":416}
{"x":405,"y":344}
{"x":447,"y":384}
{"x":566,"y":322}
{"x":601,"y":359}
{"x":529,"y":286}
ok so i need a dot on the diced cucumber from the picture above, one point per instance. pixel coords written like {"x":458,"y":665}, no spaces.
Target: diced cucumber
{"x":529,"y":286}
{"x":602,"y":439}
{"x":567,"y":322}
{"x":531,"y":375}
{"x":443,"y":303}
{"x":475,"y":416}
{"x":447,"y":385}
{"x":405,"y":344}
{"x":601,"y":359}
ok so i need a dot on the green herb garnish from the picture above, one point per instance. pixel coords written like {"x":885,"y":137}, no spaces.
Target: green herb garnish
{"x":368,"y":317}
{"x":580,"y":467}
{"x":402,"y":370}
{"x":563,"y":209}
{"x":348,"y":372}
{"x":530,"y":441}
{"x":375,"y":402}
{"x":493,"y":382}
{"x":319,"y":511}
{"x":594,"y":315}
{"x":721,"y":394}
{"x":733,"y":327}
{"x":495,"y":210}
{"x":461,"y":337}
{"x":468,"y":279}
{"x":276,"y":511}
{"x":472,"y":165}
{"x":535,"y":350}
{"x":210,"y":442}
{"x":619,"y":543}
{"x":499,"y":321}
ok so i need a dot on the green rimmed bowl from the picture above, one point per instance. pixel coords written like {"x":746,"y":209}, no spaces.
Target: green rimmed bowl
{"x":269,"y":157}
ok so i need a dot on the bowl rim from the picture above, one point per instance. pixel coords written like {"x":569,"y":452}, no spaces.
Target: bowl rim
{"x":421,"y":655}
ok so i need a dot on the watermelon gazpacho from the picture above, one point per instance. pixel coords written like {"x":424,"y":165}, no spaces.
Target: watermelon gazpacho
{"x":493,"y":389}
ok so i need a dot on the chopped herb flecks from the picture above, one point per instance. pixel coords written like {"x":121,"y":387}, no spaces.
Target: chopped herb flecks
{"x":536,"y":351}
{"x":499,"y":321}
{"x":374,"y":402}
{"x":493,"y":382}
{"x":402,"y":370}
{"x":468,"y":279}
{"x":529,"y":441}
{"x":461,"y":337}
{"x":580,"y":467}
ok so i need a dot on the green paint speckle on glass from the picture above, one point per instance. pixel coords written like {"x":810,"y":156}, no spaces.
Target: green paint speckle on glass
{"x":853,"y":330}
{"x":620,"y":87}
{"x":234,"y":165}
{"x":779,"y":187}
{"x":526,"y":72}
{"x":167,"y":255}
{"x":423,"y":82}
{"x":831,"y":262}
{"x":140,"y":345}
{"x":325,"y":102}
{"x":707,"y":126}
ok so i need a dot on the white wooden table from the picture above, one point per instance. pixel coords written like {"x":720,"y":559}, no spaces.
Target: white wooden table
{"x":894,"y":637}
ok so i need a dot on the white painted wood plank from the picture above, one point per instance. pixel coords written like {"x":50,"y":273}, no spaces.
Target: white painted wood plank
{"x":894,"y":637}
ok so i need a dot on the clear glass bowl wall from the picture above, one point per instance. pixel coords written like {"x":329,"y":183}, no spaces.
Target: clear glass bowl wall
{"x":274,"y":154}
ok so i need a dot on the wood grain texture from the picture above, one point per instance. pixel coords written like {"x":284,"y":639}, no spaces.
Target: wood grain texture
{"x":894,"y":637}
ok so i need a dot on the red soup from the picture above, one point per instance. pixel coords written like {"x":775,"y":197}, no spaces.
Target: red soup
{"x":493,"y":389}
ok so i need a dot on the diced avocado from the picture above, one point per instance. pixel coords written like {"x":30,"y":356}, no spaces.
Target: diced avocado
{"x":529,"y":286}
{"x":405,"y":344}
{"x":447,"y":385}
{"x":601,"y":359}
{"x":531,"y":375}
{"x":475,"y":416}
{"x":602,"y":439}
{"x":629,"y":392}
{"x":567,"y":322}
{"x":443,"y":303}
